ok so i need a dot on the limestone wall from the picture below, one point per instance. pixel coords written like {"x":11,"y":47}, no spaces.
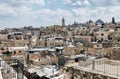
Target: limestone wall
{"x":71,"y":73}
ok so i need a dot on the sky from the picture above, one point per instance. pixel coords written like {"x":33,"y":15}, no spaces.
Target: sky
{"x":20,"y":13}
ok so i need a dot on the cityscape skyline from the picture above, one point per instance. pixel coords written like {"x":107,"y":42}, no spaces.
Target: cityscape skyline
{"x":36,"y":13}
{"x":59,"y":39}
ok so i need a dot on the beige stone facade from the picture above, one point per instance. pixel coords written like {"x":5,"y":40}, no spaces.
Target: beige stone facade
{"x":101,"y":35}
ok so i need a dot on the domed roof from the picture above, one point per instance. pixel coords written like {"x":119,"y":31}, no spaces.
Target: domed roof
{"x":100,"y":22}
{"x":90,"y":21}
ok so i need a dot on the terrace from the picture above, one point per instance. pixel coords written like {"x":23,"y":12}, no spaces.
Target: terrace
{"x":96,"y":67}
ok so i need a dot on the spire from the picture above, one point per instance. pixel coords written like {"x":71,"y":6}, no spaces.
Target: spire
{"x":63,"y":22}
{"x":75,"y":23}
{"x":113,"y":20}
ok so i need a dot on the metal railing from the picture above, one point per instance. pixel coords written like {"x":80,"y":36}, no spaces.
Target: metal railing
{"x":15,"y":69}
{"x":104,"y":66}
{"x":12,"y":68}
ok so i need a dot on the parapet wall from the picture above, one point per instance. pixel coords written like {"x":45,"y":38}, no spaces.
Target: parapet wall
{"x":94,"y":69}
{"x":72,"y":73}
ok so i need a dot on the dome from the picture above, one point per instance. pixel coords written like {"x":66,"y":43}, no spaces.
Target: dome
{"x":100,"y":22}
{"x":90,"y":21}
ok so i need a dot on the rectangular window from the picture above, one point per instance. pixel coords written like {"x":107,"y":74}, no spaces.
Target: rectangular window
{"x":102,"y":34}
{"x":97,"y":45}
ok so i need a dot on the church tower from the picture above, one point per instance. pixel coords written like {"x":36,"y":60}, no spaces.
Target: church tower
{"x":63,"y":22}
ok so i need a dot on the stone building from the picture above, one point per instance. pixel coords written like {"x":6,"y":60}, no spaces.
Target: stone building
{"x":41,"y":56}
{"x":16,"y":42}
{"x":51,"y":41}
{"x":101,"y":35}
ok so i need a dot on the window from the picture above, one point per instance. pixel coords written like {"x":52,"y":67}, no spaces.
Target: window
{"x":102,"y":34}
{"x":97,"y":45}
{"x":14,"y":52}
{"x":101,"y":39}
{"x":20,"y":51}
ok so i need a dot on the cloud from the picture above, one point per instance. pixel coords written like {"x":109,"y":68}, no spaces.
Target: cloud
{"x":77,"y":2}
{"x":54,"y":16}
{"x":105,"y":2}
{"x":104,"y":13}
{"x":24,"y":11}
{"x":86,"y":2}
{"x":6,"y":10}
{"x":67,"y":1}
{"x":43,"y":12}
{"x":39,"y":2}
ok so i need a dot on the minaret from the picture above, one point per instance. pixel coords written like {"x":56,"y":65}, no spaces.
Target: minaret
{"x":75,"y":24}
{"x":63,"y":22}
{"x":113,"y":20}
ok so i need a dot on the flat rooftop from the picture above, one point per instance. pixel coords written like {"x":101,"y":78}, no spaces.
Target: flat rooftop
{"x":103,"y":66}
{"x":48,"y":71}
